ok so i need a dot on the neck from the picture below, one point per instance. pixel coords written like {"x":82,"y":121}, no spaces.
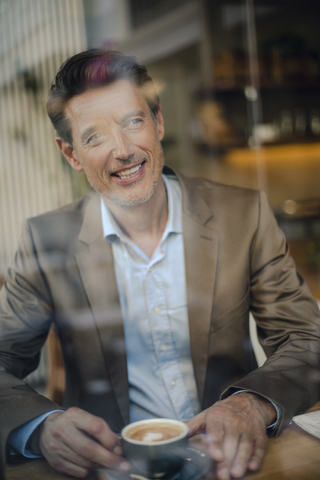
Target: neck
{"x":144,"y":224}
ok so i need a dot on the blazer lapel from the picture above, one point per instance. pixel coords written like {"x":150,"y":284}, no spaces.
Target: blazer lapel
{"x":201,"y":250}
{"x":95,"y":262}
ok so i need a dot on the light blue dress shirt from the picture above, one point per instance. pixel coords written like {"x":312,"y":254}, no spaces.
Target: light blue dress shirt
{"x":153,"y":301}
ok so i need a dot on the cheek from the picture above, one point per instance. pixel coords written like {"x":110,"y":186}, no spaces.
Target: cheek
{"x":96,"y":158}
{"x":147,"y":138}
{"x":94,"y":169}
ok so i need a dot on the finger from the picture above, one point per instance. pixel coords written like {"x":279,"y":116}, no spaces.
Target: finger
{"x":222,"y":472}
{"x":229,"y":449}
{"x":243,"y":454}
{"x":197,"y":424}
{"x":72,"y":434}
{"x":259,"y":451}
{"x":99,"y":429}
{"x":71,"y":456}
{"x":63,"y":459}
{"x":215,"y":436}
{"x":215,"y":447}
{"x":55,"y":450}
{"x":64,"y":466}
{"x":93,"y":451}
{"x":96,"y":427}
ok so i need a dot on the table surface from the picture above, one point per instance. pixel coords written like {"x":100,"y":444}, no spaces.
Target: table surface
{"x":295,"y":455}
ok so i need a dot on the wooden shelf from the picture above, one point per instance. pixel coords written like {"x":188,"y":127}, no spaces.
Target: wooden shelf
{"x":292,"y":153}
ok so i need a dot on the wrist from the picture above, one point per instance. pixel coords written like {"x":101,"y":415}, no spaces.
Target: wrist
{"x":264,"y":406}
{"x":34,"y":442}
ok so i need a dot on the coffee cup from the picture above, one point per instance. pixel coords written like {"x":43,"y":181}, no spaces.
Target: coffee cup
{"x":156,"y":447}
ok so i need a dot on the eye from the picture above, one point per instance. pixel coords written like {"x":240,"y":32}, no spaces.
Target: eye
{"x":94,"y":139}
{"x":135,"y":123}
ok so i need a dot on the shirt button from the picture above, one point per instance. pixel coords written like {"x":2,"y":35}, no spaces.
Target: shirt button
{"x":157,"y":310}
{"x":173,"y":383}
{"x":163,"y":348}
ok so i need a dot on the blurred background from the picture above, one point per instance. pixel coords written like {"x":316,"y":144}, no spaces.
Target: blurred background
{"x":239,"y":83}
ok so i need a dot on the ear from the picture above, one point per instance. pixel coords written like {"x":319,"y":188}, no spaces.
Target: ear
{"x":70,"y":154}
{"x":160,"y":123}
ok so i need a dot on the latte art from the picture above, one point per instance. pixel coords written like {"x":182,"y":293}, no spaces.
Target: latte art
{"x":152,"y":437}
{"x":154,"y":432}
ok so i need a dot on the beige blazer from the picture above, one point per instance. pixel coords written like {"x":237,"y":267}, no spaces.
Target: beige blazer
{"x":236,"y":259}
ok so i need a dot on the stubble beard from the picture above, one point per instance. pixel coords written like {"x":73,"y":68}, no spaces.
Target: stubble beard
{"x":120,"y":200}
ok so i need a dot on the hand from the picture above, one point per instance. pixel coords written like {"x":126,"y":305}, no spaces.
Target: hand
{"x":236,"y":432}
{"x":74,"y":441}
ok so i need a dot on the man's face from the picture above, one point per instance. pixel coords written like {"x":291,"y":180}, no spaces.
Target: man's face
{"x":116,"y":142}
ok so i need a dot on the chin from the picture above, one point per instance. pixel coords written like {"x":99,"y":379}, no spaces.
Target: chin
{"x":130,"y":202}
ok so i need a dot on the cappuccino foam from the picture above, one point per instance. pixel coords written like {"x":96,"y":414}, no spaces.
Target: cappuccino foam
{"x":154,"y":432}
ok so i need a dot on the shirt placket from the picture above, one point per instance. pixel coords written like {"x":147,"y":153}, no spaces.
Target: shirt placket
{"x":163,"y":342}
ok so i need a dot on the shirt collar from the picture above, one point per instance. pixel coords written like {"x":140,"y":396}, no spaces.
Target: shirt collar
{"x":112,"y":231}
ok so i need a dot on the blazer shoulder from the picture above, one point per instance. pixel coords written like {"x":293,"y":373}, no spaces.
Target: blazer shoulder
{"x":218,"y":194}
{"x":63,"y":224}
{"x":74,"y":209}
{"x":211,"y":187}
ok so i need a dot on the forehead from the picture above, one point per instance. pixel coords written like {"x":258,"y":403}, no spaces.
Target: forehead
{"x":114,"y":100}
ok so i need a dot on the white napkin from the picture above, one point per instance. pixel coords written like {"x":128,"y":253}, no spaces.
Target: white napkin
{"x":310,"y":422}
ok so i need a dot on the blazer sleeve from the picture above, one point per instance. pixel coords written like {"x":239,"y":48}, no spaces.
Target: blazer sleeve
{"x":288,"y":324}
{"x":26,"y":313}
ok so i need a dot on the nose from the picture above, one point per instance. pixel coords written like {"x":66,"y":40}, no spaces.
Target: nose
{"x":122,"y":147}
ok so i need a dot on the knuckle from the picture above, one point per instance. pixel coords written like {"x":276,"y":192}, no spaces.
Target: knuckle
{"x":76,"y":471}
{"x":73,"y":412}
{"x":87,"y":450}
{"x":97,"y":425}
{"x":261,"y":439}
{"x":53,"y":447}
{"x":236,"y":422}
{"x":258,"y":455}
{"x":57,"y":431}
{"x":83,"y":473}
{"x":244,"y":454}
{"x":85,"y":463}
{"x":56,"y":463}
{"x":259,"y":452}
{"x":247,"y":443}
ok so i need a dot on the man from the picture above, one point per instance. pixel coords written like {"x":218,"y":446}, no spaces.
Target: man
{"x":149,"y":281}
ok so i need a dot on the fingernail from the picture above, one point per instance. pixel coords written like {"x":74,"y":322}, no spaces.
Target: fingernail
{"x":216,"y":453}
{"x":223,"y":474}
{"x":237,"y":470}
{"x":254,"y":465}
{"x":124,"y":466}
{"x":117,"y":450}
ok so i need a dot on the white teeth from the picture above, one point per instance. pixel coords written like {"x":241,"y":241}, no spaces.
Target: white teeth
{"x":128,"y":173}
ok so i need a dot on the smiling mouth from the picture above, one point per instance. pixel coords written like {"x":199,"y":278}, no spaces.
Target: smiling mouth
{"x":129,"y":172}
